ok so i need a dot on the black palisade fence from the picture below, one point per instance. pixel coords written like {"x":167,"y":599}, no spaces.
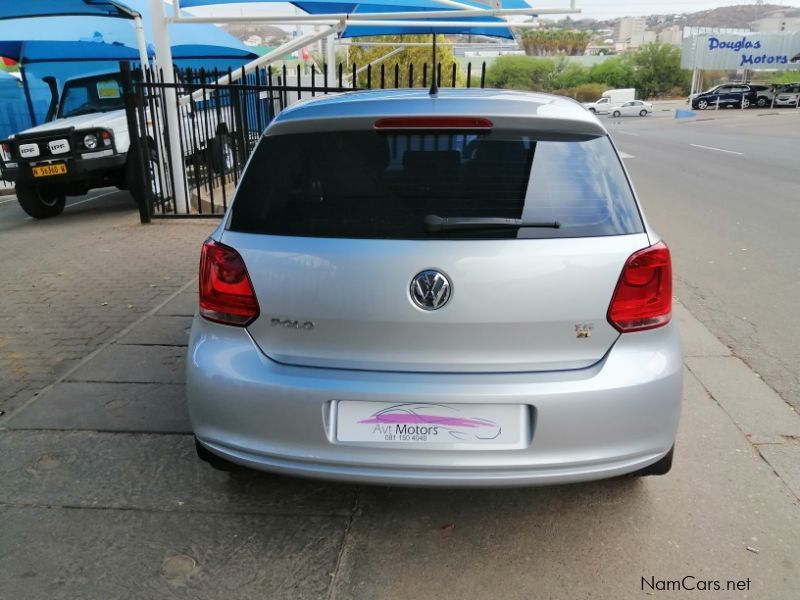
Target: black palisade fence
{"x":221,"y":116}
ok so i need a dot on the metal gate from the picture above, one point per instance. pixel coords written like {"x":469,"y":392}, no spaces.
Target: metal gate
{"x":219,"y":124}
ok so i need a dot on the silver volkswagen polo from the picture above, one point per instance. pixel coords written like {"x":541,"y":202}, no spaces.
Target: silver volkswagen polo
{"x":447,"y":290}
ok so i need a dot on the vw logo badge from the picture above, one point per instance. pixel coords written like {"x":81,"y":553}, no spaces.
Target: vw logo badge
{"x":430,"y":290}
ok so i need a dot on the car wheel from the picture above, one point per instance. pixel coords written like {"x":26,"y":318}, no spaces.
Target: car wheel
{"x":661,"y":467}
{"x":40,"y":203}
{"x":702,"y":104}
{"x":593,"y":111}
{"x":762,"y":102}
{"x":617,"y":114}
{"x":643,"y":113}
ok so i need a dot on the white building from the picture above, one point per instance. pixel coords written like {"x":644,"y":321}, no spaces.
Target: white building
{"x":632,"y":32}
{"x":671,"y":35}
{"x":777,"y":23}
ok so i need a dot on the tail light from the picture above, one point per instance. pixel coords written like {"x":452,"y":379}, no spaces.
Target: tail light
{"x":226,"y":294}
{"x":5,"y":150}
{"x":436,"y":123}
{"x":643,"y":298}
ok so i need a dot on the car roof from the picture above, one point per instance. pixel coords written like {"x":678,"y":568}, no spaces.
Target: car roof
{"x":506,"y":108}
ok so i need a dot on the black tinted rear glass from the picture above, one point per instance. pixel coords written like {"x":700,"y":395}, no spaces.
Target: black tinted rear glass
{"x":364,"y":184}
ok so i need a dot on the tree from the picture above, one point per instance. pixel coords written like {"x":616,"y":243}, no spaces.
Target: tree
{"x":614,"y":72}
{"x":550,"y":42}
{"x":658,"y":69}
{"x":568,"y":75}
{"x":520,"y":73}
{"x":417,"y":56}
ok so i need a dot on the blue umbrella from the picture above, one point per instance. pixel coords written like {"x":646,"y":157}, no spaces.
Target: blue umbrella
{"x":70,"y":45}
{"x":15,"y":9}
{"x":322,"y":7}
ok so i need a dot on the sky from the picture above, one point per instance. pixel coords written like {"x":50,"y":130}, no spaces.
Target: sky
{"x":595,"y":9}
{"x":605,"y":9}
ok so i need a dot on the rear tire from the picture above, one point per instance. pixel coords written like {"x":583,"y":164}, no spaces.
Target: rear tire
{"x":762,"y":102}
{"x":40,"y":203}
{"x":642,"y":113}
{"x":617,"y":114}
{"x":662,"y":467}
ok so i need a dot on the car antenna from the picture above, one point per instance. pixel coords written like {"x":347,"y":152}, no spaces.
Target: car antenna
{"x":434,"y":87}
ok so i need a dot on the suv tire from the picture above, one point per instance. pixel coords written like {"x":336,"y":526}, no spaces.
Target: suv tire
{"x":662,"y":467}
{"x":762,"y":101}
{"x":40,"y":203}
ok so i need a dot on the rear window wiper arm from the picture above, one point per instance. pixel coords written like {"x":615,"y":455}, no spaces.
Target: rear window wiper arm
{"x":434,"y":223}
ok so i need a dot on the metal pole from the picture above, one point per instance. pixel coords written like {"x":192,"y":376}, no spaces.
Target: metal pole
{"x":400,"y":15}
{"x":330,"y":48}
{"x":164,"y":63}
{"x":141,"y":42}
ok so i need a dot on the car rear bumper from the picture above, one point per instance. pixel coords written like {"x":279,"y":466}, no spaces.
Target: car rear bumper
{"x":615,"y":417}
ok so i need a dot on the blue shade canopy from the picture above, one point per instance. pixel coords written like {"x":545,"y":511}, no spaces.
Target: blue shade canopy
{"x":18,"y":9}
{"x":73,"y":38}
{"x":320,"y":7}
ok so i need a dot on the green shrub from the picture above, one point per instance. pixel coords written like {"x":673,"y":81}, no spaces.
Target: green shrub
{"x":588,"y":92}
{"x":520,"y":73}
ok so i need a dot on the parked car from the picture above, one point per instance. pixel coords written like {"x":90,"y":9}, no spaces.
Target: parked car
{"x":764,"y":94}
{"x":610,"y":98}
{"x":726,"y":95}
{"x":84,"y":145}
{"x":459,"y":290}
{"x":634,"y":108}
{"x":788,"y":95}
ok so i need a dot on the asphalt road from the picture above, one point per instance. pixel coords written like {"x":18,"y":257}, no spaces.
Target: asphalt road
{"x":725,"y":195}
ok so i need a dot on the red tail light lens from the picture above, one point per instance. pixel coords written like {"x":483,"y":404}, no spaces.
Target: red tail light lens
{"x":226,"y":294}
{"x":643,"y":298}
{"x":439,"y":123}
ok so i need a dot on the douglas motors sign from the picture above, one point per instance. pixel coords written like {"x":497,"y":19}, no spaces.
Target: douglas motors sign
{"x":768,"y":51}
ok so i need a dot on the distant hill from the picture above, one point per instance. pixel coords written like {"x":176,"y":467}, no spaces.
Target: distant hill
{"x":739,"y":16}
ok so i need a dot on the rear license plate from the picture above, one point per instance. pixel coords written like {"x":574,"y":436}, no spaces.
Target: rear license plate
{"x":460,"y":425}
{"x":49,"y":170}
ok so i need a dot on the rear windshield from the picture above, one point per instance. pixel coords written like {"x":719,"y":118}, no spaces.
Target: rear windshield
{"x":365,"y":184}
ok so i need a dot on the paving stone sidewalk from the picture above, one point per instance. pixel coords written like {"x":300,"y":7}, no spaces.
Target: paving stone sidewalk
{"x":69,"y":284}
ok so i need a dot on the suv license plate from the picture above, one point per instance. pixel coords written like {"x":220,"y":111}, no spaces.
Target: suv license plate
{"x":49,"y":170}
{"x":445,"y":425}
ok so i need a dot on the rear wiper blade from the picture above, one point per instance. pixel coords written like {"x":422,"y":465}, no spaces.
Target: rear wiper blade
{"x":434,"y":223}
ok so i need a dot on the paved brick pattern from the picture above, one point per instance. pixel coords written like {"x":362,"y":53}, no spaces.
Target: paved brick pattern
{"x":71,"y":283}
